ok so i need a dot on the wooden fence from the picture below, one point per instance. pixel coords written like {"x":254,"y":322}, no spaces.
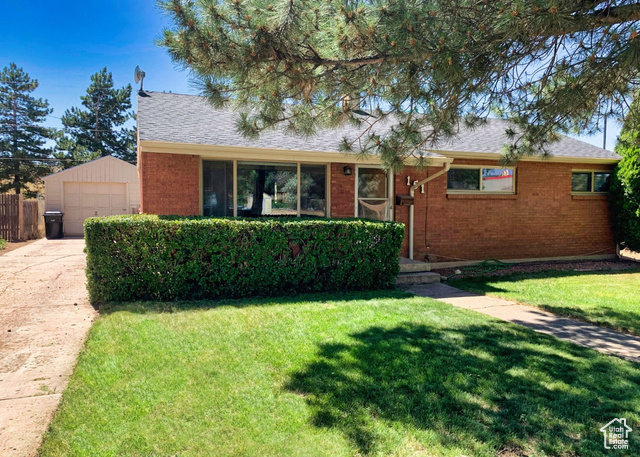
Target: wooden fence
{"x":19,"y":219}
{"x":30,"y":219}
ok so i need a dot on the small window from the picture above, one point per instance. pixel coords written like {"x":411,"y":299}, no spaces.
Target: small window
{"x":581,"y":182}
{"x":463,"y":179}
{"x":601,"y":182}
{"x":481,"y":179}
{"x":590,"y":181}
{"x":497,"y":179}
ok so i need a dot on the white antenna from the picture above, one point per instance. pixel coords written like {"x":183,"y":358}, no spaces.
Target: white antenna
{"x":138,"y":76}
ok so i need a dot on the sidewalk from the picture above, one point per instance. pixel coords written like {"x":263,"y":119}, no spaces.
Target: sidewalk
{"x":601,"y":339}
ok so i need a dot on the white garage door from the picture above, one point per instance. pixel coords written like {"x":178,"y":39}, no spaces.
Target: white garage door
{"x":89,"y":199}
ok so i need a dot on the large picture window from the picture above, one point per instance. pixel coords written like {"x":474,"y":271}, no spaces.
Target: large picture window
{"x":481,"y":179}
{"x":264,"y":189}
{"x":267,"y":189}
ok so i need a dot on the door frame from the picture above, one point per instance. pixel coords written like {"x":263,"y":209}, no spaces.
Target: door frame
{"x":390,"y":190}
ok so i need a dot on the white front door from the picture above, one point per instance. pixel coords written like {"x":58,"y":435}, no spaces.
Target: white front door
{"x":373,"y":193}
{"x":89,"y":199}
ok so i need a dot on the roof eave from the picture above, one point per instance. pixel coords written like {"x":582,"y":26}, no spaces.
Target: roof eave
{"x":551,"y":158}
{"x":275,"y":154}
{"x":279,"y":154}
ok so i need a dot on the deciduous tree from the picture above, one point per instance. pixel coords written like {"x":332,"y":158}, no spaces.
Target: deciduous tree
{"x":625,"y":186}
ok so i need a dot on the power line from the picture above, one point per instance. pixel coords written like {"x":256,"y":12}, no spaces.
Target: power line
{"x":45,"y":159}
{"x":61,"y":129}
{"x":53,"y":159}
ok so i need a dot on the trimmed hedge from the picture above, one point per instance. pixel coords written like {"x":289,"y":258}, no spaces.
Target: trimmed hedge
{"x":165,"y":258}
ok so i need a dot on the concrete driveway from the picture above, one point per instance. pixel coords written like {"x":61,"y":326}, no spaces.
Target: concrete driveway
{"x":44,"y":319}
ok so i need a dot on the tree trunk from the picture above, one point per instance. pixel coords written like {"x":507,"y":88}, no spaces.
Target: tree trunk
{"x":258,"y":193}
{"x":17,"y":181}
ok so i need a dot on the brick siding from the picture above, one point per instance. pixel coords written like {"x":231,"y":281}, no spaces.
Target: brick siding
{"x":169,"y":184}
{"x":543,"y":219}
{"x":342,"y":190}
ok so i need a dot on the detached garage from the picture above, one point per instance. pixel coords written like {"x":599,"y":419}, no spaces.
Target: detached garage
{"x":102,"y":187}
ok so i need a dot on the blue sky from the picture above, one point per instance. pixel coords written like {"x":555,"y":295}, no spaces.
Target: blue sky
{"x":62,"y":43}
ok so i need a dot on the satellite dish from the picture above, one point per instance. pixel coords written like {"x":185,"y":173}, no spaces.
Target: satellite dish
{"x":138,"y":76}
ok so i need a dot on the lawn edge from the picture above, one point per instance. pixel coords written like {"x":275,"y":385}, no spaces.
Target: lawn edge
{"x":542,"y":306}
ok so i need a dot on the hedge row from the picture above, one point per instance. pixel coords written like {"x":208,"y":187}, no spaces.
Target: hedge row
{"x":165,"y":258}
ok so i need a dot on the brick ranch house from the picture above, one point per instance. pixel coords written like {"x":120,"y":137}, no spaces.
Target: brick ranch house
{"x":192,"y":161}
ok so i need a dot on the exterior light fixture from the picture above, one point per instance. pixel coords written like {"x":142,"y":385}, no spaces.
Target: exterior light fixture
{"x":347,"y":171}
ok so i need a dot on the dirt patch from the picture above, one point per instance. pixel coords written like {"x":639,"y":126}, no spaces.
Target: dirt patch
{"x":579,"y":265}
{"x":15,"y":245}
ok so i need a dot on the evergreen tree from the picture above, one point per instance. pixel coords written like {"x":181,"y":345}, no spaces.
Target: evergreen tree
{"x":22,"y":139}
{"x":99,"y":128}
{"x":421,"y":68}
{"x":625,"y":186}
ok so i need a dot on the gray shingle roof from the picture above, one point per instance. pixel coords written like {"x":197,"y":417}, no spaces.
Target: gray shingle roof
{"x":191,"y":119}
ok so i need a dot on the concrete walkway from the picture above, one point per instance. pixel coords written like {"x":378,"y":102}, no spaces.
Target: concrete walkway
{"x":44,"y":319}
{"x":594,"y":337}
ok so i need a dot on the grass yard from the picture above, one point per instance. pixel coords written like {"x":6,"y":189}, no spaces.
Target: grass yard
{"x":607,"y":298}
{"x":368,"y":374}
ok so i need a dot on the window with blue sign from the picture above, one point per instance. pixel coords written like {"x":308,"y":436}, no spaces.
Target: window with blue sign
{"x":470,"y":179}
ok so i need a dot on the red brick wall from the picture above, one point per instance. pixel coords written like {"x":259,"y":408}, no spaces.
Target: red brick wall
{"x":169,"y":183}
{"x":543,"y":219}
{"x":342,"y":190}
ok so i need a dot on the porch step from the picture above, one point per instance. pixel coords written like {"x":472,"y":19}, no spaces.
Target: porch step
{"x":421,"y":277}
{"x":413,"y":266}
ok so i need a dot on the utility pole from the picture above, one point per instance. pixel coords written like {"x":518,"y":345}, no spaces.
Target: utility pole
{"x":604,"y":133}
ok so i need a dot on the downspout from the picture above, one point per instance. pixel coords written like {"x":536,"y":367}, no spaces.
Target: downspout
{"x":412,"y":191}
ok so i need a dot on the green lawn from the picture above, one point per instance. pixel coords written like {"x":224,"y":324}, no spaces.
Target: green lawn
{"x":370,"y":374}
{"x":607,"y":298}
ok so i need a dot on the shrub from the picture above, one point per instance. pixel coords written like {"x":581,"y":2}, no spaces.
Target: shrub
{"x":625,"y":186}
{"x":162,"y":258}
{"x":3,"y":243}
{"x":625,"y":202}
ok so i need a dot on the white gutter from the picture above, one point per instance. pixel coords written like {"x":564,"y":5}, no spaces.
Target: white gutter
{"x":412,"y":192}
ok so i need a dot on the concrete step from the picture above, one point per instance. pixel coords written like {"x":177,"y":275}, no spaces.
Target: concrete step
{"x":422,"y":277}
{"x":413,"y":266}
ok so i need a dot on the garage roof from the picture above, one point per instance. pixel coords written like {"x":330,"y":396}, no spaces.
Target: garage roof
{"x":105,"y":164}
